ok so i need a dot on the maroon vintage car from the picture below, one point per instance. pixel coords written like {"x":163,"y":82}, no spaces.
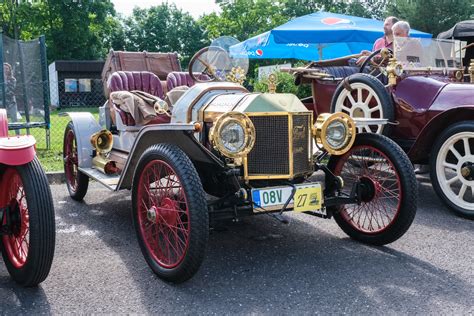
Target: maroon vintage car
{"x":426,"y":96}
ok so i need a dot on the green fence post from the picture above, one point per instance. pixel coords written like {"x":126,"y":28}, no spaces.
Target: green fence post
{"x":46,"y":96}
{"x":2,"y":78}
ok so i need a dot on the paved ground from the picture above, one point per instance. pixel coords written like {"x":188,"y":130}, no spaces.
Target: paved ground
{"x":254,"y":267}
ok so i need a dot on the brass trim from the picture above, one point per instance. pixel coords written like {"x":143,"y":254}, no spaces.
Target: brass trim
{"x":321,"y":126}
{"x":249,"y":133}
{"x":290,"y":143}
{"x":268,"y":177}
{"x":471,"y":71}
{"x":291,"y":173}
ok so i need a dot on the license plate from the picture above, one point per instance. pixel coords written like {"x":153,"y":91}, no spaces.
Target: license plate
{"x":308,"y":197}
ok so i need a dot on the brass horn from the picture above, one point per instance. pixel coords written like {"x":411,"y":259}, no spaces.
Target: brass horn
{"x":102,"y":141}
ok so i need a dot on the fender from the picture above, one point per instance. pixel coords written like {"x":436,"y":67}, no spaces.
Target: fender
{"x":181,"y":135}
{"x":84,"y":126}
{"x":421,"y":149}
{"x":3,"y":123}
{"x":17,"y":150}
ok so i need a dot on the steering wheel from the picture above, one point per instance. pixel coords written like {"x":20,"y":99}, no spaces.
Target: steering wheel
{"x":209,"y":62}
{"x":377,"y":60}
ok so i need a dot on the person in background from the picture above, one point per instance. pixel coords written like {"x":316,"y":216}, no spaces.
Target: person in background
{"x":10,"y":99}
{"x":385,"y":41}
{"x":400,"y":29}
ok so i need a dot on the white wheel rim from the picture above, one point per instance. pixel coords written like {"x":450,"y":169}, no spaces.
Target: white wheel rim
{"x":457,"y":188}
{"x":361,"y":105}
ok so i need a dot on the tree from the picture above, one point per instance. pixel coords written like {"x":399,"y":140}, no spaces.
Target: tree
{"x":163,"y":28}
{"x":243,"y":18}
{"x":432,"y":16}
{"x":74,"y":29}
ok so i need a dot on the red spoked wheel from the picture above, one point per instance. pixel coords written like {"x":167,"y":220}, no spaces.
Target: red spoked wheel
{"x":77,"y":182}
{"x":163,"y":214}
{"x":388,"y":190}
{"x":28,"y":223}
{"x":170,"y":213}
{"x":16,"y":244}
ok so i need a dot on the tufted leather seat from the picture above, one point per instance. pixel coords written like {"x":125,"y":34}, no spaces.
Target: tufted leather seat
{"x":135,"y":80}
{"x":340,"y":71}
{"x":181,"y":78}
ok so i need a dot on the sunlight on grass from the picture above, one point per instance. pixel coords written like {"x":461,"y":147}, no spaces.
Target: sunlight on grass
{"x":52,"y":159}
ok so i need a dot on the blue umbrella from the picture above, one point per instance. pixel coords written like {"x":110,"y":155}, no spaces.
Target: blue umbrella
{"x":320,"y":35}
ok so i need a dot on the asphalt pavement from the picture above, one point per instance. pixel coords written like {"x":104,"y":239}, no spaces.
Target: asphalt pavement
{"x":256,"y":266}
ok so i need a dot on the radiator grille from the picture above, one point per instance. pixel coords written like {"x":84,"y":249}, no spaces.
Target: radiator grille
{"x":301,"y":136}
{"x":270,"y":154}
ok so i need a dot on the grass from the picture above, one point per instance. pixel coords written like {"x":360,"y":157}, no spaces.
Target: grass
{"x":52,"y":159}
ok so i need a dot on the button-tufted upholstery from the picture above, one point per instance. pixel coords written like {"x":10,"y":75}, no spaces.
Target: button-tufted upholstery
{"x":340,"y":71}
{"x":181,"y":78}
{"x":136,"y":80}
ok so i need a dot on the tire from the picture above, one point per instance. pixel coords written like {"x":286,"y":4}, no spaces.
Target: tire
{"x":389,"y":194}
{"x":451,"y":156}
{"x":359,"y":103}
{"x":76,"y":182}
{"x":179,"y":238}
{"x":25,"y":190}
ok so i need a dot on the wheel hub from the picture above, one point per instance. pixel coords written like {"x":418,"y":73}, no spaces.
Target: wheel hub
{"x":168,"y":211}
{"x":467,"y":171}
{"x":15,"y":217}
{"x":358,"y":112}
{"x":369,"y":189}
{"x":151,"y":214}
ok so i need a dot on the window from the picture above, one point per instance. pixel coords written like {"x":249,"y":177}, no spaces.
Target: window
{"x":70,"y":85}
{"x":84,"y":85}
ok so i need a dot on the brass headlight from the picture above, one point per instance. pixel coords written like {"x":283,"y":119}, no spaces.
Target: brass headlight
{"x":335,"y":132}
{"x":233,"y":135}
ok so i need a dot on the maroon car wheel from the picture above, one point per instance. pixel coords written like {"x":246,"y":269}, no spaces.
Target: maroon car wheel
{"x":388,"y":190}
{"x":452,"y":168}
{"x":77,"y":182}
{"x":367,"y":98}
{"x":28,"y":246}
{"x":170,"y":213}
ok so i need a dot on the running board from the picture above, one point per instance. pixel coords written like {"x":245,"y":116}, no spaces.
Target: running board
{"x":109,"y":181}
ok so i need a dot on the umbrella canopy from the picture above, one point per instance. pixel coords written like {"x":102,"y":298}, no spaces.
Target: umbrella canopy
{"x":315,"y":36}
{"x":461,"y":30}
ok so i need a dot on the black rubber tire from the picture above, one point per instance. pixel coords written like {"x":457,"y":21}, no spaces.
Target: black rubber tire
{"x":197,"y":205}
{"x":464,"y":126}
{"x":409,"y":191}
{"x":42,"y":232}
{"x":81,"y":179}
{"x":375,"y":84}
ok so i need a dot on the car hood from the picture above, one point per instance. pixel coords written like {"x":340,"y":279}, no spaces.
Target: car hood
{"x":253,"y":103}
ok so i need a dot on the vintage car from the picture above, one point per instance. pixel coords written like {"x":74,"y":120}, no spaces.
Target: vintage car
{"x":427,"y":96}
{"x":224,"y":153}
{"x":27,"y":224}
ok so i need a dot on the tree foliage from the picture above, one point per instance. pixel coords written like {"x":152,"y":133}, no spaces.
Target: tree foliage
{"x":162,"y":28}
{"x":87,"y":29}
{"x":74,"y":29}
{"x":432,"y":16}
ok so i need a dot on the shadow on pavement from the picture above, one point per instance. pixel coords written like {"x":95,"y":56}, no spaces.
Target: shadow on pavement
{"x":261,"y":266}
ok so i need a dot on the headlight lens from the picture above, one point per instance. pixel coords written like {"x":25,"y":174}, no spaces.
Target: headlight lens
{"x":233,"y":135}
{"x":335,"y":132}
